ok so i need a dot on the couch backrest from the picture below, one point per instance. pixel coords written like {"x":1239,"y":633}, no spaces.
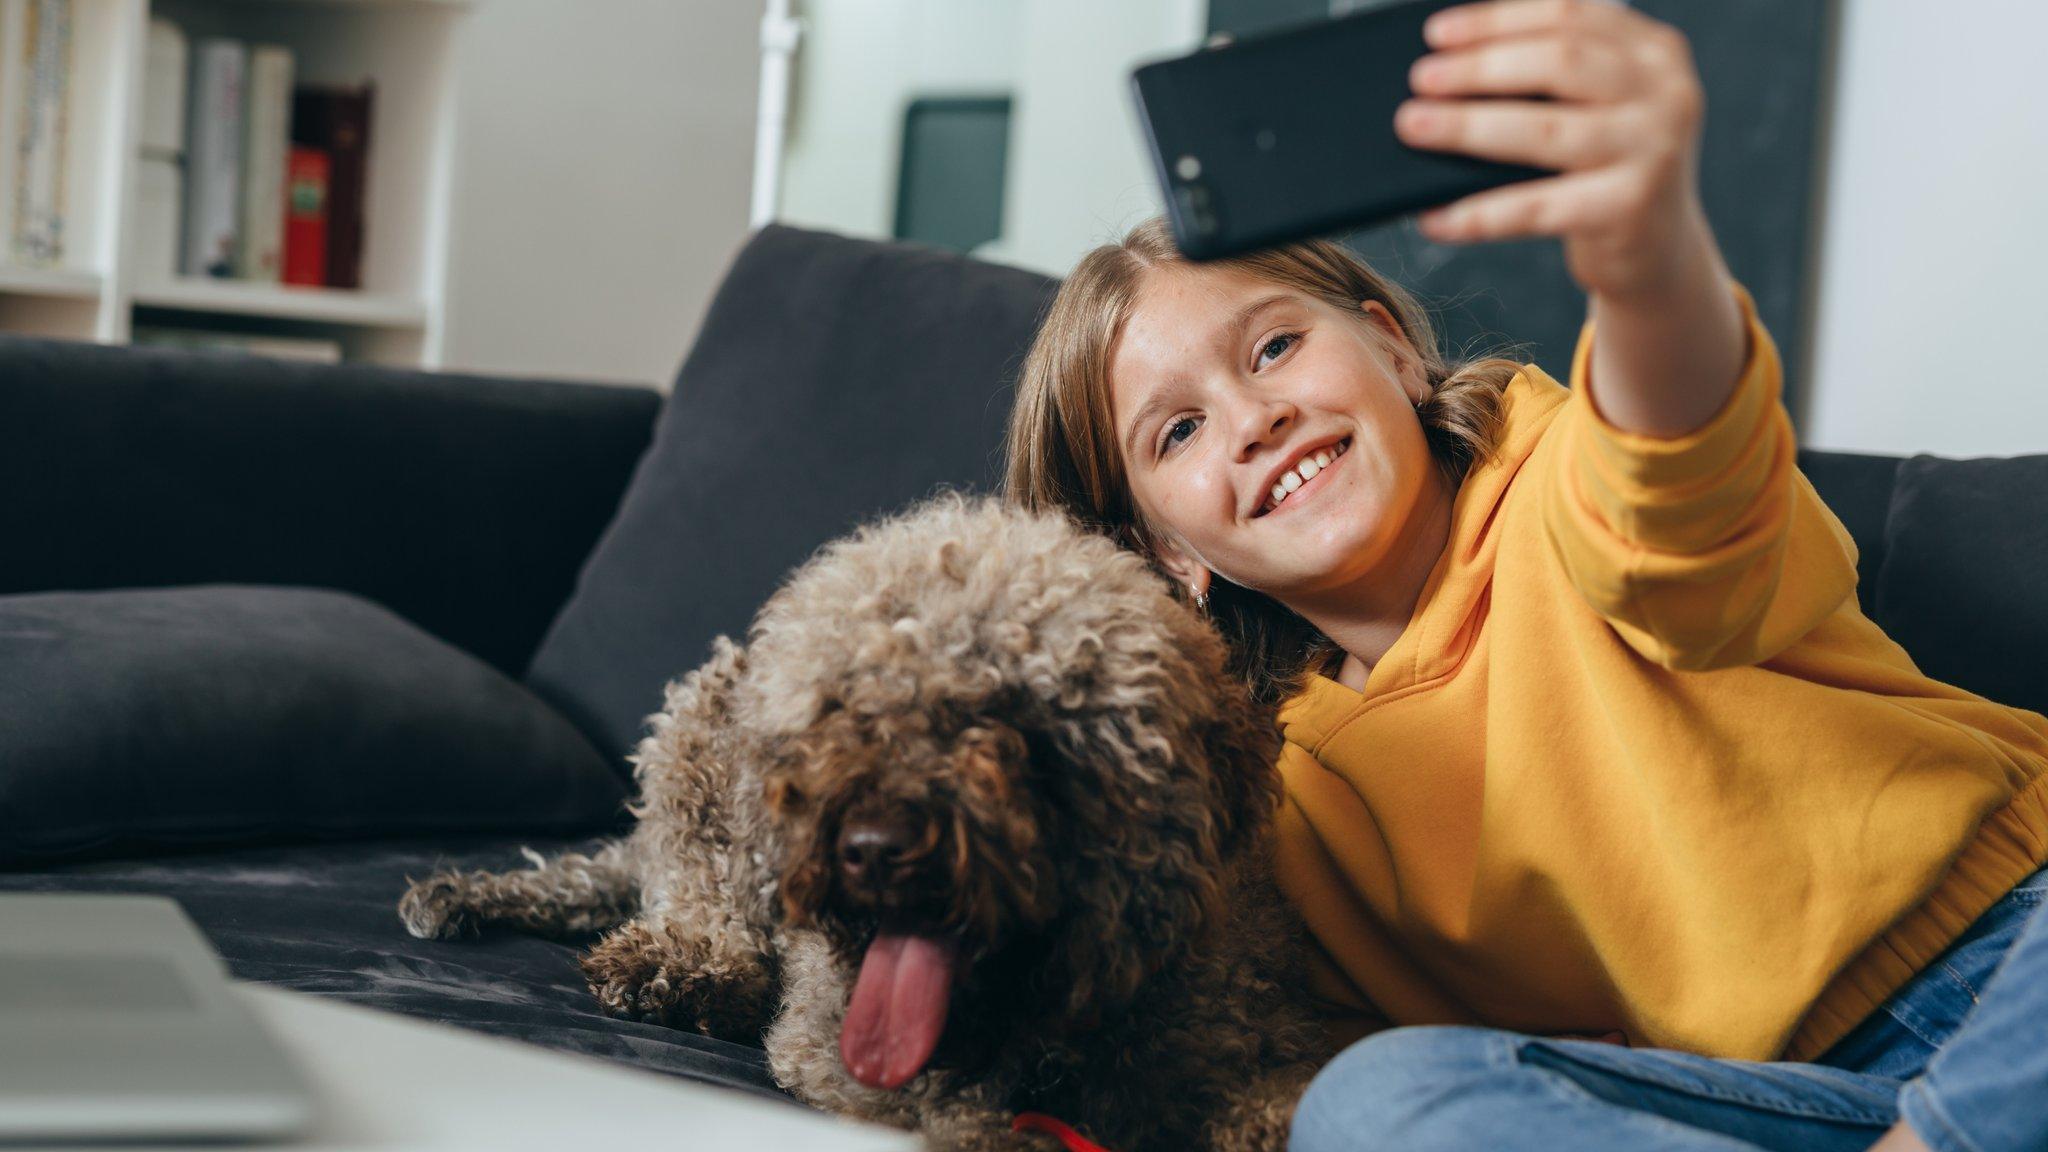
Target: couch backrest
{"x":1963,"y":586}
{"x":461,"y":502}
{"x":1953,"y":563}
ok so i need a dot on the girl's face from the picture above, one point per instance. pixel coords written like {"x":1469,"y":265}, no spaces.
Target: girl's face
{"x":1222,"y":384}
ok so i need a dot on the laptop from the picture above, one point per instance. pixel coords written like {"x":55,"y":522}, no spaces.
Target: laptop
{"x":117,"y":1022}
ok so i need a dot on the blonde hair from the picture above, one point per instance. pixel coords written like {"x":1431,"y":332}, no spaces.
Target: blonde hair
{"x":1062,"y":446}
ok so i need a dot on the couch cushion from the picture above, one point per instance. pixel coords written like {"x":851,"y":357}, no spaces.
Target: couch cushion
{"x":833,"y":379}
{"x":162,"y":718}
{"x":1964,"y":587}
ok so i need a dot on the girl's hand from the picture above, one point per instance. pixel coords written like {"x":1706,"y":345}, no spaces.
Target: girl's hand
{"x":1623,"y":129}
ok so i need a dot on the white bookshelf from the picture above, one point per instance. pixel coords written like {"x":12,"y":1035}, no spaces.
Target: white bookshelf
{"x":51,"y":283}
{"x":408,"y":47}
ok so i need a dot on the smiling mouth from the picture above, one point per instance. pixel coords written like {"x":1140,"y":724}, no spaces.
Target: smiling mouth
{"x":1338,"y":451}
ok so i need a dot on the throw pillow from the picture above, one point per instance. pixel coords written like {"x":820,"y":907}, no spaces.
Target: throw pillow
{"x":160,"y":718}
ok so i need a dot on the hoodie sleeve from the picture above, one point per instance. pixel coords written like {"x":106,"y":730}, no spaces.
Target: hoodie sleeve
{"x":1707,"y":550}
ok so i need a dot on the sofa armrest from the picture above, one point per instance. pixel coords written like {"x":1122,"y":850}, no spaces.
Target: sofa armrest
{"x":464,"y":503}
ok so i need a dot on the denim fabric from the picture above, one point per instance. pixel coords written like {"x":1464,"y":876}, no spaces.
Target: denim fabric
{"x":1959,"y":1051}
{"x":1988,"y":1090}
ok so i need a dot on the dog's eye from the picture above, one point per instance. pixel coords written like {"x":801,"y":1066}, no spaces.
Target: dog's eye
{"x":1039,"y":753}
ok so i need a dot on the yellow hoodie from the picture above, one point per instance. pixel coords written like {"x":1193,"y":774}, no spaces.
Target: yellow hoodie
{"x":1639,"y":761}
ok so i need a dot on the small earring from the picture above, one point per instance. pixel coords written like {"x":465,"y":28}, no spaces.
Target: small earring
{"x":1201,"y":597}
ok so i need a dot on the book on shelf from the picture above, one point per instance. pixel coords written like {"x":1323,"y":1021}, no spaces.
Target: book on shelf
{"x":160,"y":153}
{"x":335,"y":119}
{"x":305,"y":225}
{"x":280,"y":347}
{"x":213,"y":156}
{"x":13,"y":93}
{"x":259,"y":255}
{"x":35,"y":128}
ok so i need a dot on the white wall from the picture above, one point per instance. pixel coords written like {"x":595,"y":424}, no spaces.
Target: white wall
{"x":1076,"y":175}
{"x":1934,"y":244}
{"x":858,"y":65}
{"x":604,"y":154}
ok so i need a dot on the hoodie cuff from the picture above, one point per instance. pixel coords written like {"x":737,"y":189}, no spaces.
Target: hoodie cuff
{"x":1686,"y":493}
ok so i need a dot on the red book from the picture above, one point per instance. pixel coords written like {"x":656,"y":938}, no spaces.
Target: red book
{"x":305,"y":217}
{"x":336,"y":119}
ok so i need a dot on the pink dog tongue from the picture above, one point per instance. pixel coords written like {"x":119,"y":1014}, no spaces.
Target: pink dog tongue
{"x":898,"y":1009}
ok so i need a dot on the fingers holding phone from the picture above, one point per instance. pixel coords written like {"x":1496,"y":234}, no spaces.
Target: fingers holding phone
{"x":1603,"y":94}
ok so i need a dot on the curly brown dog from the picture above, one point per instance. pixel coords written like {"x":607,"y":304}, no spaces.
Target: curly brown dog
{"x":976,"y":823}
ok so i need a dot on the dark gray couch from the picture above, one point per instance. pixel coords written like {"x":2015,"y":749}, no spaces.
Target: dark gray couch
{"x":524,"y":563}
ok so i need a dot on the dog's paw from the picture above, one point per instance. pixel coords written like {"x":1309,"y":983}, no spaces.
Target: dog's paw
{"x":435,"y":909}
{"x":642,"y":973}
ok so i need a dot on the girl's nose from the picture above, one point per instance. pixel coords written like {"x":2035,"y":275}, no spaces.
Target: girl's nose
{"x":1265,"y":422}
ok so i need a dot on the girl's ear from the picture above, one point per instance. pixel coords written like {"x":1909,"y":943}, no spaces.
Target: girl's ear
{"x":1186,"y":571}
{"x":1177,"y":561}
{"x":1407,"y":363}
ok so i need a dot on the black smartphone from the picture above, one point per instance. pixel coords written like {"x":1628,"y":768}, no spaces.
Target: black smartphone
{"x":1290,"y":134}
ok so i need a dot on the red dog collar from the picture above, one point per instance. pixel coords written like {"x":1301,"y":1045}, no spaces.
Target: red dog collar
{"x":1040,"y":1122}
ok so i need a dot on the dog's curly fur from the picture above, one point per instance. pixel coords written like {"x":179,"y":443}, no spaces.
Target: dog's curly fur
{"x":1096,"y":799}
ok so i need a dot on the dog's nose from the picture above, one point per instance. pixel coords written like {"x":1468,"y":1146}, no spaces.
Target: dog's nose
{"x":870,"y":849}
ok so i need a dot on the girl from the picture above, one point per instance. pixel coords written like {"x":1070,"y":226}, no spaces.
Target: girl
{"x":1586,"y":733}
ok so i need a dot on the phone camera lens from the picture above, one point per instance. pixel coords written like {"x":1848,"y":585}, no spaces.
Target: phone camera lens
{"x":1196,"y":209}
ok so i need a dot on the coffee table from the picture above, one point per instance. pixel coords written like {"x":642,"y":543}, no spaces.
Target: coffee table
{"x":384,"y":1081}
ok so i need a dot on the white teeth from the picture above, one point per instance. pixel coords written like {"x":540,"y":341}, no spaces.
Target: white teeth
{"x":1304,"y":471}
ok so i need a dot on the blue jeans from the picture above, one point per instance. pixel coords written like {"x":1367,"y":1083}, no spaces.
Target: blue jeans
{"x":1961,"y":1052}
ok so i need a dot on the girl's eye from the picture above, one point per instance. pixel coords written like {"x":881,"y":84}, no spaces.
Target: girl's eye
{"x":1268,"y":345}
{"x":1171,"y":440}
